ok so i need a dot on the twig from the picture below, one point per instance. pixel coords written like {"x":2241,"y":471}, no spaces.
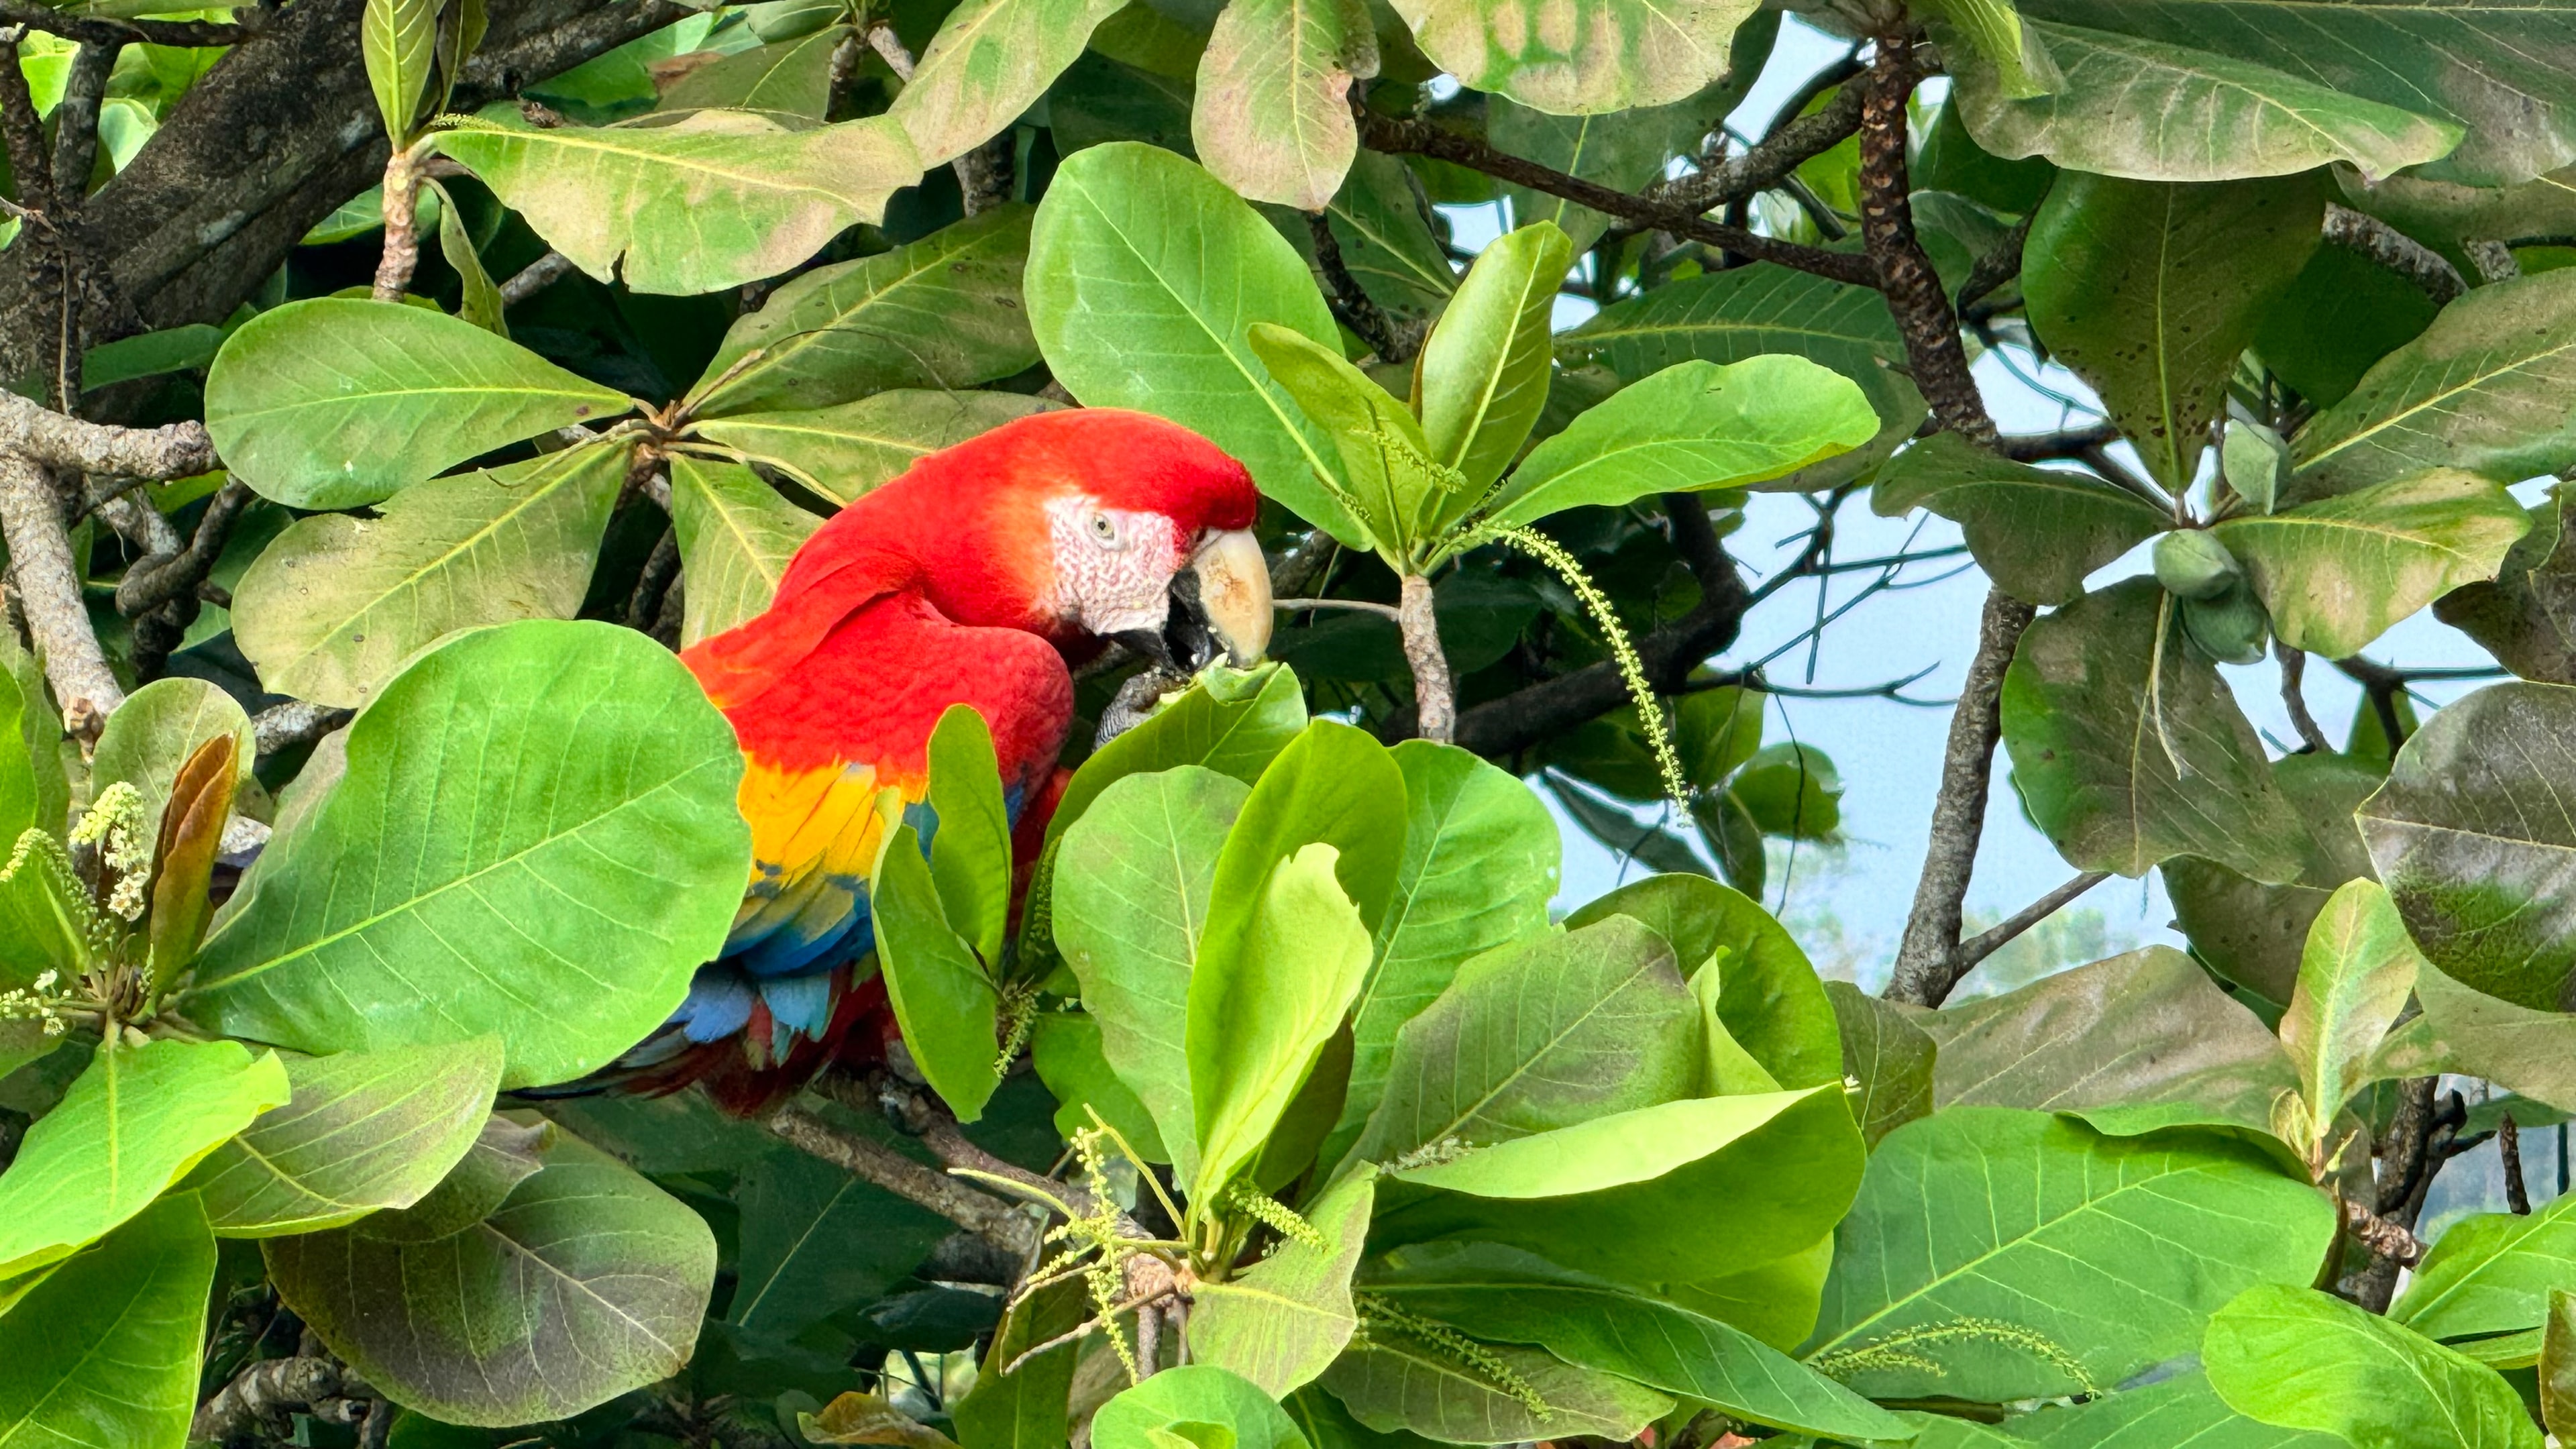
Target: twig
{"x":284,"y":726}
{"x":1364,"y":606}
{"x":1435,"y":699}
{"x":1922,"y":974}
{"x":1767,"y":163}
{"x":882,"y":38}
{"x":2395,"y":250}
{"x":1419,"y":137}
{"x":2063,"y":443}
{"x":266,"y":1391}
{"x":2408,"y":1163}
{"x":1351,"y":304}
{"x":179,"y":450}
{"x":1986,"y":943}
{"x":980,"y":1213}
{"x":76,"y":117}
{"x":1998,"y":265}
{"x":2517,"y":1196}
{"x":89,"y":30}
{"x":653,"y":582}
{"x":2493,"y":259}
{"x":535,"y":277}
{"x":2294,"y":668}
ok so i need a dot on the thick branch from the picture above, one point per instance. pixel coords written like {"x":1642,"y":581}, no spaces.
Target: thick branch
{"x":1924,"y":971}
{"x":401,"y":254}
{"x":535,"y":277}
{"x":1933,"y":351}
{"x":89,"y":30}
{"x":2391,"y":1241}
{"x":980,"y":1213}
{"x":1415,"y":137}
{"x":1435,"y":699}
{"x":180,"y":450}
{"x":2063,"y":443}
{"x":76,"y":118}
{"x":2395,"y":250}
{"x":48,"y":586}
{"x":284,"y":726}
{"x":22,"y":129}
{"x":263,"y":1395}
{"x":1352,"y":306}
{"x":1767,"y":163}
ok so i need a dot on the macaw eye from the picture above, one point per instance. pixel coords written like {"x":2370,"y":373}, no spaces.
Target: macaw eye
{"x":1104,"y":530}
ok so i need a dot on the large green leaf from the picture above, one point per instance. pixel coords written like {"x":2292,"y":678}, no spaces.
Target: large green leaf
{"x":846,"y":451}
{"x":1132,"y":882}
{"x":940,"y":993}
{"x":399,"y":39}
{"x":336,"y":402}
{"x":710,"y":201}
{"x":991,"y":60}
{"x":1997,"y":1254}
{"x":1502,"y":1295}
{"x":131,"y":1125}
{"x":1891,"y":1058}
{"x":1597,"y":55}
{"x":2557,"y":1370}
{"x":2526,"y":618}
{"x":2183,"y":1410}
{"x":1027,"y":1409}
{"x":2155,"y":111}
{"x":1728,"y":316}
{"x":1334,"y":784}
{"x":2037,"y":532}
{"x":2144,"y":1029}
{"x":562,"y":902}
{"x":150,"y":737}
{"x":1483,"y":373}
{"x":2127,"y":753}
{"x":1402,"y":1384}
{"x":1479,"y":866}
{"x":2492,"y":1273}
{"x":2495,"y":66}
{"x":1232,"y":722}
{"x":1262,"y":1004}
{"x":1619,"y":1197}
{"x":2474,"y":842}
{"x":2289,"y":1355}
{"x":583,"y":1283}
{"x":105,"y":1350}
{"x":331,"y":609}
{"x":2467,"y":1031}
{"x":818,"y":1241}
{"x":2354,"y":979}
{"x":2483,"y":389}
{"x":1772,"y":1002}
{"x":1382,"y":220}
{"x":943,"y":312}
{"x":970,"y":853}
{"x":1272,"y":117}
{"x":1065,"y":1048}
{"x":789,"y":77}
{"x":1387,"y":478}
{"x":1529,"y":1038}
{"x":736,"y":538}
{"x":2251,"y":933}
{"x":1145,"y":277}
{"x":363,"y":1131}
{"x":1283,"y":1320}
{"x":2337,"y":573}
{"x":1195,"y":1404}
{"x":2149,"y":290}
{"x":1693,"y":425}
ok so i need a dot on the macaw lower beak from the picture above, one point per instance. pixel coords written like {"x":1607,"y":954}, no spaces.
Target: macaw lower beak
{"x":1231,"y":583}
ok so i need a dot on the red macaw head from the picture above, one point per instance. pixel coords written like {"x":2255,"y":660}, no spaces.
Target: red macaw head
{"x":1078,"y":525}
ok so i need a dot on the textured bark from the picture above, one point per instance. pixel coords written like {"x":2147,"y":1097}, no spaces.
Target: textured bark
{"x":2395,"y":250}
{"x":1435,"y":699}
{"x":1933,"y":351}
{"x":48,"y":590}
{"x":402,"y":241}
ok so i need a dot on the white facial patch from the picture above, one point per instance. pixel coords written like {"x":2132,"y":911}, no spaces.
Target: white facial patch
{"x":1113,"y":566}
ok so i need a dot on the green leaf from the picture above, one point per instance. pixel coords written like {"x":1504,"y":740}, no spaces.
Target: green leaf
{"x":105,"y":1350}
{"x":942,"y":312}
{"x":2253,"y":461}
{"x":1891,"y":1057}
{"x":2557,"y":1368}
{"x":2037,"y":532}
{"x":2163,"y":109}
{"x":2397,"y":55}
{"x":1132,"y":883}
{"x":788,"y":77}
{"x":2337,"y":573}
{"x":562,"y":902}
{"x":479,"y":301}
{"x":154,"y":354}
{"x":2466,"y":1030}
{"x":2183,"y":1410}
{"x":1262,"y":1002}
{"x":2147,"y":1029}
{"x":1383,"y":221}
{"x":1623,"y":150}
{"x":1234,"y":722}
{"x":1479,"y":867}
{"x":708,"y":202}
{"x":1996,"y":1254}
{"x":1692,"y":426}
{"x":1026,"y":1409}
{"x":736,"y":538}
{"x":1995,"y":34}
{"x":1145,"y":276}
{"x":2354,"y":979}
{"x":2492,"y":1273}
{"x":2474,"y":849}
{"x":2253,"y":934}
{"x":1611,"y":1196}
{"x":332,"y":609}
{"x":1502,"y":1295}
{"x":1200,"y":1397}
{"x":1333,"y":784}
{"x":817,"y":1241}
{"x":2289,"y":1355}
{"x":2127,"y":754}
{"x":1790,"y":789}
{"x":336,"y":402}
{"x":2523,"y":617}
{"x":399,"y":39}
{"x":850,"y":450}
{"x":990,"y":61}
{"x":363,"y":1131}
{"x":2480,"y":390}
{"x":584,"y":1283}
{"x":941,"y":994}
{"x":131,"y":1125}
{"x":1273,"y":115}
{"x":1483,"y":373}
{"x":1400,"y":1383}
{"x":1549,"y":1033}
{"x":1387,"y":477}
{"x":1282,"y":1322}
{"x":2149,"y":290}
{"x":1599,"y":55}
{"x":1772,"y":1003}
{"x":1066,"y":1049}
{"x":970,"y":854}
{"x":154,"y":732}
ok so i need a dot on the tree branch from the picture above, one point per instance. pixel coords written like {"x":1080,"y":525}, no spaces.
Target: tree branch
{"x":1998,"y":265}
{"x":1986,"y":943}
{"x":2063,"y":443}
{"x":982,"y":1214}
{"x":1768,"y":162}
{"x":89,"y":30}
{"x":263,"y":1394}
{"x":1933,"y":351}
{"x":22,"y":129}
{"x":48,"y":586}
{"x":284,"y":726}
{"x":1352,"y":306}
{"x":2395,"y":250}
{"x":535,"y":277}
{"x":1418,"y":137}
{"x":76,"y":118}
{"x":2294,"y":668}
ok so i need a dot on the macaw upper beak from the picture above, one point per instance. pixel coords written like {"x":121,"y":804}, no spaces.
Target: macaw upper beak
{"x":1233,"y":593}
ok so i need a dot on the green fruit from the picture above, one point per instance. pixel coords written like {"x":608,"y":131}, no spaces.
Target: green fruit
{"x":2193,"y":565}
{"x":2231,"y":628}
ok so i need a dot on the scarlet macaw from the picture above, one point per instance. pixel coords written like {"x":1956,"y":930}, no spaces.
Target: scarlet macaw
{"x":974,"y":578}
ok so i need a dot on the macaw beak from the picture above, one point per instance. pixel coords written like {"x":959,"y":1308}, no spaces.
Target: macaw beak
{"x":1232,"y":594}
